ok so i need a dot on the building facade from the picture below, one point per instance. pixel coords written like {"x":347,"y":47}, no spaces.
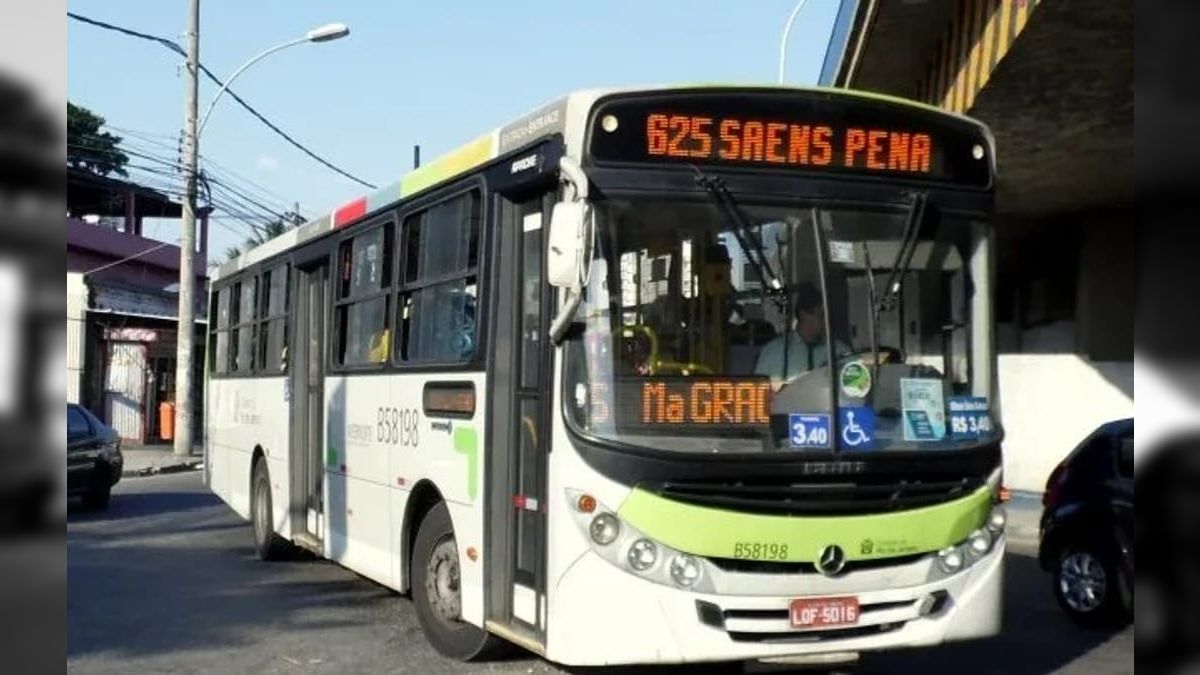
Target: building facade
{"x":1054,"y":81}
{"x":122,"y":307}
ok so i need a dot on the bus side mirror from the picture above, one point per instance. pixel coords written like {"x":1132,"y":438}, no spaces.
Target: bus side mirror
{"x":565,"y":246}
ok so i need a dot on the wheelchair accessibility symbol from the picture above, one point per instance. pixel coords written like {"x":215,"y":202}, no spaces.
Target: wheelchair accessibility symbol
{"x":856,"y":425}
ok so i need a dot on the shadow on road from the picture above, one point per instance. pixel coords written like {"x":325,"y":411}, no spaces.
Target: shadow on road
{"x":189,"y":598}
{"x":170,"y":574}
{"x":137,"y":504}
{"x":1037,"y":637}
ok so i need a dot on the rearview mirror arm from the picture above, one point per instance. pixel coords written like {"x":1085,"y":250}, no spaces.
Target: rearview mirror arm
{"x":577,"y":184}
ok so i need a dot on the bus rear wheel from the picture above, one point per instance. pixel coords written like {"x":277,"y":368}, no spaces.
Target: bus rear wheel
{"x":267,"y":544}
{"x":437,"y":593}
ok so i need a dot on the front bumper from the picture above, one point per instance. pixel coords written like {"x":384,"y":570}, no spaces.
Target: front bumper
{"x":602,"y":614}
{"x":84,"y":473}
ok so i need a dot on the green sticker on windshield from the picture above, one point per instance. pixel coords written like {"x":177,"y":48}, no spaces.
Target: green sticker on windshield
{"x":855,"y":379}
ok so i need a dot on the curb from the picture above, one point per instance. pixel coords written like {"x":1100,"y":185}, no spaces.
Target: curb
{"x":155,"y":470}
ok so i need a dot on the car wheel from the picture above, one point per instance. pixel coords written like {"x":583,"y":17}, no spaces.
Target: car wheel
{"x":99,"y":494}
{"x":267,"y":544}
{"x":1087,"y":585}
{"x":437,"y":594}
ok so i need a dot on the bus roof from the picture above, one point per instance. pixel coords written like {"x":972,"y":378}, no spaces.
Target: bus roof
{"x":566,"y":115}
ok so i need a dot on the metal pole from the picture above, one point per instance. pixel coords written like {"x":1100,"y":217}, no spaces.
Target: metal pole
{"x":787,"y":29}
{"x":187,"y":244}
{"x":225,"y":87}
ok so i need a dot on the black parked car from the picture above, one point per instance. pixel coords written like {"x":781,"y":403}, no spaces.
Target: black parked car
{"x":94,"y":458}
{"x":1087,"y":527}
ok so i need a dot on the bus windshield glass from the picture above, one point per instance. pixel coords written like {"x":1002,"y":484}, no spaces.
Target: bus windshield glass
{"x":714,"y":326}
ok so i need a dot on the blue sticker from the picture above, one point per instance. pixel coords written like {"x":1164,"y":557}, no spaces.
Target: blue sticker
{"x":807,"y":430}
{"x":969,"y":417}
{"x":857,"y":427}
{"x":924,"y":409}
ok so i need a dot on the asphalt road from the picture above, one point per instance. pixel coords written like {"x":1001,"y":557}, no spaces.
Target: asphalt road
{"x":165,"y":581}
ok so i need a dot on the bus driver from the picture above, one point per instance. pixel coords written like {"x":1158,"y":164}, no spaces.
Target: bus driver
{"x":797,"y":351}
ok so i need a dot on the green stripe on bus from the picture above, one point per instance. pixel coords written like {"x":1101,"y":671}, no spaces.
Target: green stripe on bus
{"x":466,"y":442}
{"x":719,"y":533}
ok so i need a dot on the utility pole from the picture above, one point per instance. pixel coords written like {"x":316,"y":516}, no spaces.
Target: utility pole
{"x":187,"y":244}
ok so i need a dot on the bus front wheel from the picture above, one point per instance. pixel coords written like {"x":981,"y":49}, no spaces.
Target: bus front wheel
{"x":437,"y":593}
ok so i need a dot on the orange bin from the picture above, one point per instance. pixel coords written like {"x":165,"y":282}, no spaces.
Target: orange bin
{"x":166,"y":420}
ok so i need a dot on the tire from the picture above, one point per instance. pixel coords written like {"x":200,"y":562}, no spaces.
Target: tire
{"x":267,"y":544}
{"x":1087,"y":585}
{"x":436,"y":594}
{"x":99,"y":495}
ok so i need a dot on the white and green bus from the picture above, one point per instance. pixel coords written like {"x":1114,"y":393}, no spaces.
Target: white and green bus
{"x":646,"y":376}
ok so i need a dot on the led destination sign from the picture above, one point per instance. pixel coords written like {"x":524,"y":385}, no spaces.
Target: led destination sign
{"x":791,"y":131}
{"x":753,"y":140}
{"x":693,"y":404}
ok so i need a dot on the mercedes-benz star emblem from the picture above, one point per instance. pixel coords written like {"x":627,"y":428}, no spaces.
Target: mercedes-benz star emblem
{"x":831,"y":561}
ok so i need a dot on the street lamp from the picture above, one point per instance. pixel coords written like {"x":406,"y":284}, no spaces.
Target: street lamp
{"x":187,"y":246}
{"x":326,"y":33}
{"x":787,"y":29}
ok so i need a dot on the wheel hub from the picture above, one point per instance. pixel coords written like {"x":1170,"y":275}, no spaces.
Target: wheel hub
{"x":1082,"y":581}
{"x":442,"y":581}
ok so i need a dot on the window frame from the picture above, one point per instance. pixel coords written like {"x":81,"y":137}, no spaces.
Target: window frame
{"x":263,"y":317}
{"x":478,"y":272}
{"x":385,"y":222}
{"x":237,"y":324}
{"x":219,"y":368}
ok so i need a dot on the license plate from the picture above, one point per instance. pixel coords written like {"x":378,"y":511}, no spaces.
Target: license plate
{"x":824,"y":612}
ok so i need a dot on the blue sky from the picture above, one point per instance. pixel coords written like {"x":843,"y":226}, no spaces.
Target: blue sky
{"x":433,"y":73}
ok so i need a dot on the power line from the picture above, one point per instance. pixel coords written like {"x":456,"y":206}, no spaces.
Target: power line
{"x":249,"y":201}
{"x":216,"y":169}
{"x":173,"y":46}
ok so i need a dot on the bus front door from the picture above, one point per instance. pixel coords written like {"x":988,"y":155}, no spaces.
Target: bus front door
{"x":308,"y":404}
{"x":520,"y":382}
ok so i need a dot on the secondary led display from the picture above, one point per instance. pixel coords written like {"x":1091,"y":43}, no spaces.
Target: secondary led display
{"x":693,"y":403}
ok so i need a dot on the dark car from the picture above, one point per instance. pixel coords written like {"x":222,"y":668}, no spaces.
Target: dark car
{"x":1087,"y":527}
{"x":94,"y":458}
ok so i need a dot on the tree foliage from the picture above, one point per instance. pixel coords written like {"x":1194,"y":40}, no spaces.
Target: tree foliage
{"x":90,"y":148}
{"x":259,"y":234}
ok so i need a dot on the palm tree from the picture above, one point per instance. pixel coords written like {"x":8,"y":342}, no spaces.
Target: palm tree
{"x":259,"y":235}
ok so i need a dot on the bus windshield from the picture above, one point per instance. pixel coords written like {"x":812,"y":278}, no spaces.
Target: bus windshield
{"x":769,"y":330}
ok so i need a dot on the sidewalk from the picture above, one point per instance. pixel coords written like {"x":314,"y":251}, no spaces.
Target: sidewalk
{"x":147,"y":460}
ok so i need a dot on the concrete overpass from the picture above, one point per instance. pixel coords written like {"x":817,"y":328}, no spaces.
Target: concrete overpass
{"x":1054,"y":81}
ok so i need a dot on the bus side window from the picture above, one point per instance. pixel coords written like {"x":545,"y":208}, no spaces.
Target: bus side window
{"x":220,"y":361}
{"x":361,"y":306}
{"x":272,"y":330}
{"x":438,"y":294}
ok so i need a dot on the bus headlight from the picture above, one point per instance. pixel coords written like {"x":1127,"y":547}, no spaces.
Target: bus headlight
{"x":642,"y":555}
{"x":632,"y":551}
{"x":979,"y":543}
{"x":685,"y":570}
{"x":997,"y":519}
{"x":950,"y":559}
{"x":604,"y":529}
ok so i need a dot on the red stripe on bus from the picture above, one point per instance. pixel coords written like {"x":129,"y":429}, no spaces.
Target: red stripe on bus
{"x":349,"y":212}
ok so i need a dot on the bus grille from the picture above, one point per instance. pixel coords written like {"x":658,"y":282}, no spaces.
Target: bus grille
{"x":796,"y":498}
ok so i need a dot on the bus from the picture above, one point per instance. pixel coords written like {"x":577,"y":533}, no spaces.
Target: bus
{"x":655,"y":375}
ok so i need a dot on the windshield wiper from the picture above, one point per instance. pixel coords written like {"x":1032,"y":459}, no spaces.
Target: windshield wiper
{"x":915,"y":221}
{"x":873,"y":326}
{"x":746,"y":238}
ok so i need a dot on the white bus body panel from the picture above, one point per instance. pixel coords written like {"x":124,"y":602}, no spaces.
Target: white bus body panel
{"x":243,"y":414}
{"x":372,"y":467}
